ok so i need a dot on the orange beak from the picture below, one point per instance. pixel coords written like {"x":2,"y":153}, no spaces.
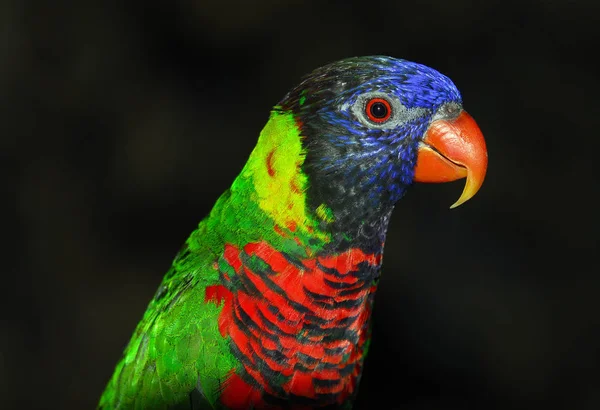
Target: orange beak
{"x":450,"y":150}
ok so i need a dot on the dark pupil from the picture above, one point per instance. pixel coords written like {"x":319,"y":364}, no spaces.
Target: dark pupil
{"x":379,"y":110}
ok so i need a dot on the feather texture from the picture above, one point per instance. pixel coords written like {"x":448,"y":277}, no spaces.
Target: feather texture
{"x":268,"y":303}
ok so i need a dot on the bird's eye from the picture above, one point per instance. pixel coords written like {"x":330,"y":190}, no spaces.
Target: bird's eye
{"x":378,"y":110}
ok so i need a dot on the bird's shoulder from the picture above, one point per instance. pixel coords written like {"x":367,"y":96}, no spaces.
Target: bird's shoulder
{"x":177,"y":347}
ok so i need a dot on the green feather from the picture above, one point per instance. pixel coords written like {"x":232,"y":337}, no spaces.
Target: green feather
{"x":177,"y":344}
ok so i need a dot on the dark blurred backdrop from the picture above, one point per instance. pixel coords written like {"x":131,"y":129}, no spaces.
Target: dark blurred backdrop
{"x":120,"y":124}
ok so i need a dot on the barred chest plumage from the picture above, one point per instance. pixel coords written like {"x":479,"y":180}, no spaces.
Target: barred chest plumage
{"x":298,"y":326}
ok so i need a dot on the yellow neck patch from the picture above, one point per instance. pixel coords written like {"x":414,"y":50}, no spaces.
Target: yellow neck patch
{"x":275,"y":169}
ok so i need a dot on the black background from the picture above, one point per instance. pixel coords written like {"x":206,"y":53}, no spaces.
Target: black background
{"x":121,"y":124}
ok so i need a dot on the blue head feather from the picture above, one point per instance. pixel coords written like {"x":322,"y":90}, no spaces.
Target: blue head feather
{"x":357,"y":167}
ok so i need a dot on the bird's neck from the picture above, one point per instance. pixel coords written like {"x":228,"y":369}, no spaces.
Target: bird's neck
{"x":277,"y":193}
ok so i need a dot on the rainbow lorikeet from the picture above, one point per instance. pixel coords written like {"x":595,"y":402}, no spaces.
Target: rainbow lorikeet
{"x":268,"y":304}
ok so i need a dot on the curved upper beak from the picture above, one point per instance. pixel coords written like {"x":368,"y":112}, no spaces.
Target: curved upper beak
{"x":452,"y":149}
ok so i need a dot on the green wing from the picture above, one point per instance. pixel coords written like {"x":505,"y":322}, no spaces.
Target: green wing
{"x":176,"y":350}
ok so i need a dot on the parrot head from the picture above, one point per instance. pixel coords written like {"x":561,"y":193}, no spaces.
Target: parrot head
{"x":371,"y":126}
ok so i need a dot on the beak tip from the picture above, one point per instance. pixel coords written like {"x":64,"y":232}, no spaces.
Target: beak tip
{"x":458,"y":203}
{"x":472,"y":186}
